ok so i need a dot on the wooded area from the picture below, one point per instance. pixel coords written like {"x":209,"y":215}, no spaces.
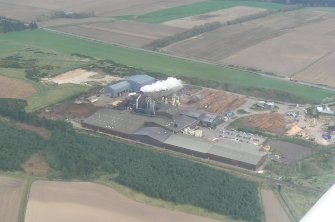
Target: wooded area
{"x":13,"y":25}
{"x":74,"y":155}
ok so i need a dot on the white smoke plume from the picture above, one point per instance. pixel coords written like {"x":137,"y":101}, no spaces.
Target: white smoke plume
{"x":169,"y":83}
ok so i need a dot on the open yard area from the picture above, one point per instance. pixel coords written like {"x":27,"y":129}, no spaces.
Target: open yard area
{"x":87,"y":202}
{"x":283,"y":38}
{"x":10,"y":198}
{"x":66,"y":45}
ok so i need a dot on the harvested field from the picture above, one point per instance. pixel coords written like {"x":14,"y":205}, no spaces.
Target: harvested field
{"x":130,"y":33}
{"x":81,"y":76}
{"x":10,"y":198}
{"x":290,"y":153}
{"x":273,"y":210}
{"x":87,"y":202}
{"x":35,"y":8}
{"x":321,"y":72}
{"x":215,"y":101}
{"x":267,"y":43}
{"x":221,"y":16}
{"x":14,"y":88}
{"x":21,"y":12}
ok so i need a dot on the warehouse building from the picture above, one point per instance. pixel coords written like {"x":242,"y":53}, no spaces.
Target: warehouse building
{"x":117,"y":89}
{"x":132,"y":83}
{"x":138,"y":81}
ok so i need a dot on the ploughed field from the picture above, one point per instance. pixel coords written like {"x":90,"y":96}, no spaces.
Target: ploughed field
{"x":302,"y":40}
{"x":87,"y":202}
{"x":10,"y":198}
{"x":31,"y":10}
{"x":130,"y":33}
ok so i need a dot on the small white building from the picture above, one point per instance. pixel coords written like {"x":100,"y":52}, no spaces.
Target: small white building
{"x":324,"y":109}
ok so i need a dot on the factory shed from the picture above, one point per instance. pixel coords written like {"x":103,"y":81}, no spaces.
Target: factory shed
{"x":147,"y":134}
{"x":237,"y":154}
{"x":209,"y":119}
{"x":138,"y":81}
{"x":189,"y":145}
{"x":117,"y":89}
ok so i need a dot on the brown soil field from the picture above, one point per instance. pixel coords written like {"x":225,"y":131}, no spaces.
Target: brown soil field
{"x":216,"y":101}
{"x":227,"y":41}
{"x":81,"y":76}
{"x":221,"y":16}
{"x":130,"y":33}
{"x":293,"y":49}
{"x":87,"y":202}
{"x":21,"y":12}
{"x":10,"y":198}
{"x":36,"y":166}
{"x":267,"y":43}
{"x":321,"y":72}
{"x":35,"y":8}
{"x":273,"y":122}
{"x":273,"y":210}
{"x":14,"y":88}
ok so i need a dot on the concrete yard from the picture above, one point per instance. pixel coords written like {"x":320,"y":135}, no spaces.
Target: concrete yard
{"x":87,"y":202}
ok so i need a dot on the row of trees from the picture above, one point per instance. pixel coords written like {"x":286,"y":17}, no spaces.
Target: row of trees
{"x":13,"y":25}
{"x":76,"y":155}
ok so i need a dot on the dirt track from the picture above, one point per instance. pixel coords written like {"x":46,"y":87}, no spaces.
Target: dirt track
{"x":273,"y":210}
{"x":14,"y":88}
{"x":10,"y":198}
{"x":87,"y":202}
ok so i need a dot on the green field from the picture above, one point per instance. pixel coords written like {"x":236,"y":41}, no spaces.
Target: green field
{"x":46,"y":94}
{"x":150,"y":61}
{"x":199,"y":8}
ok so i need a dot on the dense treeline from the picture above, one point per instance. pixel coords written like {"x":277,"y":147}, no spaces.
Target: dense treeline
{"x":311,"y":3}
{"x":76,"y":155}
{"x":13,"y":25}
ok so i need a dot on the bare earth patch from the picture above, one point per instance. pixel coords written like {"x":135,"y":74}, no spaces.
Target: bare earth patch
{"x":81,"y":76}
{"x":221,"y":16}
{"x":273,"y":122}
{"x":10,"y":198}
{"x":87,"y":202}
{"x":39,"y":130}
{"x":14,"y":88}
{"x":273,"y":210}
{"x":36,"y":165}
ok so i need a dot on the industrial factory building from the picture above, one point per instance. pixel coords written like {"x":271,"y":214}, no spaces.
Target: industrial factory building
{"x":165,"y":132}
{"x":133,"y":83}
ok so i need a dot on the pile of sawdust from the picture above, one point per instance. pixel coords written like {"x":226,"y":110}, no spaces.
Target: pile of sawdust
{"x":217,"y":101}
{"x":273,"y":122}
{"x":294,"y":129}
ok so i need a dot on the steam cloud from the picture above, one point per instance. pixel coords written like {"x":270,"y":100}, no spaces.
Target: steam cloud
{"x":169,"y":83}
